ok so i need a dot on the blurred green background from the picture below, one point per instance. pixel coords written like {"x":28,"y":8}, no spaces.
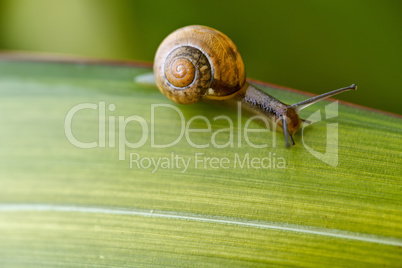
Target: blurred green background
{"x":311,"y":45}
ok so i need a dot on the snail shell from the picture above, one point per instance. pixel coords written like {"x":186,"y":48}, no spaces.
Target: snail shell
{"x":198,"y":62}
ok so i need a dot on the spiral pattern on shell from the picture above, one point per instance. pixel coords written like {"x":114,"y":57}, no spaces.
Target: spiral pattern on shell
{"x":187,"y":74}
{"x":198,"y":62}
{"x":180,"y":73}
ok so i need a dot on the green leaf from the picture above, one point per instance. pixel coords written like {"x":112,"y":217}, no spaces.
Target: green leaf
{"x":61,"y":205}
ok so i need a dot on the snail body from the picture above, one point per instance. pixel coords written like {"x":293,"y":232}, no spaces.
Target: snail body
{"x":198,"y":62}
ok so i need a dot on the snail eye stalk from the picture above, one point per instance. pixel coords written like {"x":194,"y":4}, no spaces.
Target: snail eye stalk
{"x":303,"y":104}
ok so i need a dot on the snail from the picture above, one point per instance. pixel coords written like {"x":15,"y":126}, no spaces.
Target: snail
{"x":197,"y":62}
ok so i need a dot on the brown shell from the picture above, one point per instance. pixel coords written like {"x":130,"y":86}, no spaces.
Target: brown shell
{"x":217,"y":71}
